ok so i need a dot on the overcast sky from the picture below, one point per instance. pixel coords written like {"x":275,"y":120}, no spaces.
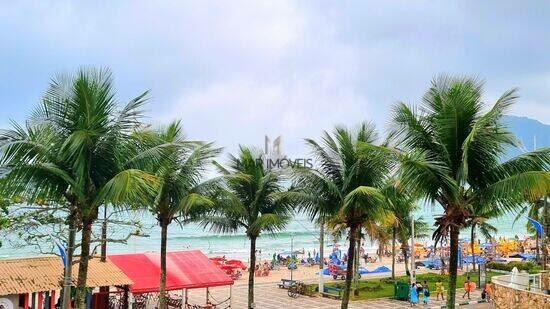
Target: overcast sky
{"x":234,"y":71}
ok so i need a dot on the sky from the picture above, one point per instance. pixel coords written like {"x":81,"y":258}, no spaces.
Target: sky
{"x":235,"y":71}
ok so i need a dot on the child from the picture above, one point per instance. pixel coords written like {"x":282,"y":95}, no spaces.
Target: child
{"x":439,"y":290}
{"x":425,"y":293}
{"x":413,"y":295}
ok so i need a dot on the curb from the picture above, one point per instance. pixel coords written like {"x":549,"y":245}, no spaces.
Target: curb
{"x":472,"y":302}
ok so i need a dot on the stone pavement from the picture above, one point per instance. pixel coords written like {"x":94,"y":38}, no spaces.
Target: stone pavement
{"x":269,"y":296}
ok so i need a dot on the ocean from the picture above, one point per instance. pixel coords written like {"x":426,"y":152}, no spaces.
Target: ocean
{"x":300,"y":233}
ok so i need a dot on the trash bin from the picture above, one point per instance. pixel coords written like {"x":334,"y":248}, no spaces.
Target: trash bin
{"x":401,"y":291}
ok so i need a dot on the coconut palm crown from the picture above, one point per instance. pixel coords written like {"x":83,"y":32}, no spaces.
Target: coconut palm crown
{"x":250,"y":199}
{"x":179,"y":166}
{"x":74,"y":147}
{"x":455,"y":143}
{"x":351,"y":170}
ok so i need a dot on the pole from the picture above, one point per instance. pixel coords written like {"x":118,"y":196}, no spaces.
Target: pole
{"x":291,"y":254}
{"x":68,"y":268}
{"x":413,"y":263}
{"x":321,"y":254}
{"x":544,"y":234}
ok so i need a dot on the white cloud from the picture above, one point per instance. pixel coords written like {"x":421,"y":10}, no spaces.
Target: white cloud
{"x":236,"y":70}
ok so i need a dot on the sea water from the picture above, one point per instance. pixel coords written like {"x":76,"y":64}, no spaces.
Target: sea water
{"x":300,"y":234}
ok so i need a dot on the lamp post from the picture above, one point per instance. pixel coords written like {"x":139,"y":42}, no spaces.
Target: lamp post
{"x":291,"y":254}
{"x":413,"y":264}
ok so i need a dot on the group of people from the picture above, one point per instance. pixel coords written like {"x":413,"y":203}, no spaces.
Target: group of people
{"x":418,"y":289}
{"x":262,"y":270}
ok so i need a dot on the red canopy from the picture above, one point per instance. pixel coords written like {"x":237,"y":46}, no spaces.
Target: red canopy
{"x":184,"y":270}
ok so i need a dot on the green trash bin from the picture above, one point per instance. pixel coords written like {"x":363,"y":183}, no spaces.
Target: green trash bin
{"x":401,"y":291}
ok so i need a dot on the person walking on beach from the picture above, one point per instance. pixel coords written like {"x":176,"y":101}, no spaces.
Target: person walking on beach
{"x":439,"y":290}
{"x":413,"y":295}
{"x":468,"y":287}
{"x":425,"y":293}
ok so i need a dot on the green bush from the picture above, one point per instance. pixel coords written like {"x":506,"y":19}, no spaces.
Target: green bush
{"x":530,"y":267}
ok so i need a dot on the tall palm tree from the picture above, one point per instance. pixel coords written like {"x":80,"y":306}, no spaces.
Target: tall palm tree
{"x":179,"y":170}
{"x":478,"y":221}
{"x":402,"y":206}
{"x":352,"y":169}
{"x":455,"y":146}
{"x":75,"y":146}
{"x":537,"y":209}
{"x":251,"y":199}
{"x":313,"y":191}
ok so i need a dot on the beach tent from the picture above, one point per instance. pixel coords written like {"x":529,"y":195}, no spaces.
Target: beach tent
{"x":184,"y":270}
{"x":364,"y":271}
{"x":523,"y":256}
{"x":478,"y":259}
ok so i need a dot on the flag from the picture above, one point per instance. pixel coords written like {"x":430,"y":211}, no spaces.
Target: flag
{"x":536,"y":225}
{"x":62,"y":252}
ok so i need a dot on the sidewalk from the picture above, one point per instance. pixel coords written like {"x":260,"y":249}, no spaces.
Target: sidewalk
{"x":269,"y":296}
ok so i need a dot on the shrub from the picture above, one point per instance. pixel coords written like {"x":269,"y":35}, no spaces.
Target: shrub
{"x":530,"y":267}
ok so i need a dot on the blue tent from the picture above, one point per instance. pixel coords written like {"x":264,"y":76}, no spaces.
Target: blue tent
{"x":524,"y":256}
{"x":364,"y":271}
{"x":478,"y":259}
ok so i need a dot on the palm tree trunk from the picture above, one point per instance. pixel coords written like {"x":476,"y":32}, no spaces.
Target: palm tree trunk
{"x":81,"y":290}
{"x":393,"y":253}
{"x":104,"y":236}
{"x":350,"y":268}
{"x":251,"y":269}
{"x":357,"y":262}
{"x":472,"y":245}
{"x":381,"y":248}
{"x":453,"y":267}
{"x":163,"y":240}
{"x":67,"y":282}
{"x":404,"y":249}
{"x":321,"y":255}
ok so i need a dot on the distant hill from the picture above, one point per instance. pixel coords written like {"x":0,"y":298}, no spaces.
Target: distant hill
{"x":529,"y":131}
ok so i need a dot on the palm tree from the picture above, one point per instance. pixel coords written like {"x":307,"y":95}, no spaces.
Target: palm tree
{"x":352,"y":169}
{"x":381,"y":232}
{"x":402,"y":206}
{"x":455,"y":146}
{"x":536,"y":208}
{"x":251,"y":199}
{"x":75,"y":147}
{"x":478,"y":220}
{"x":179,"y":170}
{"x":313,"y":190}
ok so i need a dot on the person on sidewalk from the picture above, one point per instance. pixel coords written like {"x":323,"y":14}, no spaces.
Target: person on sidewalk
{"x":413,"y":295}
{"x":425,"y":293}
{"x":469,"y":286}
{"x":439,"y":289}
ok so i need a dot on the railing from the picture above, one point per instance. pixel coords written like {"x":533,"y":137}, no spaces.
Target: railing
{"x":522,"y":281}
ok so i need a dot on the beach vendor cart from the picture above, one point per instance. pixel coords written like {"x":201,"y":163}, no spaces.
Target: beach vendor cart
{"x":339,"y":272}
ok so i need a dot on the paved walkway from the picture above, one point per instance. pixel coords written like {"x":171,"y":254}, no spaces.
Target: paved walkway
{"x":269,"y":296}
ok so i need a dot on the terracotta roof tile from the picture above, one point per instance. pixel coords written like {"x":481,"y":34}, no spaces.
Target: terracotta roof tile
{"x":37,"y":274}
